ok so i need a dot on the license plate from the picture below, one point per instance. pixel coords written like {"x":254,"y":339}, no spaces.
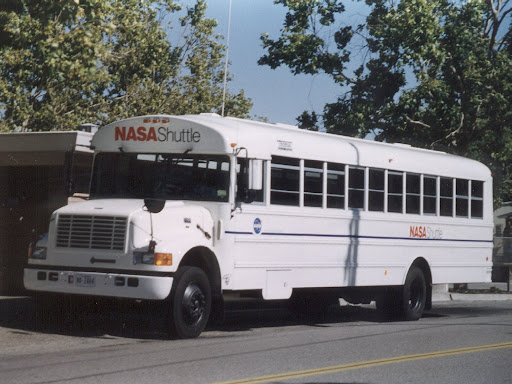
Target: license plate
{"x":85,"y":281}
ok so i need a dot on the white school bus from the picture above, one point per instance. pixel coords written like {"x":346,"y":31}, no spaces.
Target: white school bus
{"x":187,"y":208}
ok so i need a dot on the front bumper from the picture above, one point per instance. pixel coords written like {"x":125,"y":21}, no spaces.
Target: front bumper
{"x":97,"y":283}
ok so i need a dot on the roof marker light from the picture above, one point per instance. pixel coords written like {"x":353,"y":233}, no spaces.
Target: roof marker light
{"x":156,"y":120}
{"x":165,"y":121}
{"x":233,"y":145}
{"x":147,"y":120}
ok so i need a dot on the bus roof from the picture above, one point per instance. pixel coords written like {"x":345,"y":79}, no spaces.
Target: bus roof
{"x":213,"y":134}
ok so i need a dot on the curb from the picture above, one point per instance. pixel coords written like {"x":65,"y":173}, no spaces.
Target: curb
{"x":440,"y":292}
{"x":480,"y":296}
{"x":441,"y":297}
{"x":471,"y":297}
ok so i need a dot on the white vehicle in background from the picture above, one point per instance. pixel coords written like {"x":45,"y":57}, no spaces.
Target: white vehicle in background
{"x":186,"y":208}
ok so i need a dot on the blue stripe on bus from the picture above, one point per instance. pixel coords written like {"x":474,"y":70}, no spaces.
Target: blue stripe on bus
{"x":353,"y":236}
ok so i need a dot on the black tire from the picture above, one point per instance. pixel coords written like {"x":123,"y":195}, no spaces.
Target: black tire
{"x":414,"y":295}
{"x":190,"y":303}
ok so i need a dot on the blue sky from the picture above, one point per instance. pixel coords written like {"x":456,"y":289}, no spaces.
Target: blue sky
{"x":276,"y":94}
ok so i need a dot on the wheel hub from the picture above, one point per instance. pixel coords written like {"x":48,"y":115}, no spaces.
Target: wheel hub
{"x":194,"y":304}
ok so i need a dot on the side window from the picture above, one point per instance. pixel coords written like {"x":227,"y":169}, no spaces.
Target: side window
{"x":462,"y":198}
{"x":446,"y":197}
{"x":412,"y":191}
{"x":313,"y":183}
{"x":356,"y":188}
{"x":429,"y":195}
{"x":477,"y":199}
{"x":335,"y":186}
{"x":285,"y":181}
{"x":376,"y":190}
{"x":395,"y":191}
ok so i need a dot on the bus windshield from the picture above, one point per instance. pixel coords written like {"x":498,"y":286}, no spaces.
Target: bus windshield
{"x":163,"y":176}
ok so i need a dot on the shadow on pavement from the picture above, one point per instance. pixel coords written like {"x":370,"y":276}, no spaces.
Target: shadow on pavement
{"x":83,"y":318}
{"x":147,"y":320}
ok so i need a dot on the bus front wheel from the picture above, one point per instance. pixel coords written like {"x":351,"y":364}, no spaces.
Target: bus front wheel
{"x":190,"y":303}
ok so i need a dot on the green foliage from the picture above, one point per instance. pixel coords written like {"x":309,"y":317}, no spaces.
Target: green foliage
{"x":437,"y":75}
{"x":66,"y":62}
{"x":301,"y":47}
{"x":308,"y":121}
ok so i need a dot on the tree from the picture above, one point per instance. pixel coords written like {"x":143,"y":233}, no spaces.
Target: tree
{"x":66,"y":62}
{"x":437,"y":74}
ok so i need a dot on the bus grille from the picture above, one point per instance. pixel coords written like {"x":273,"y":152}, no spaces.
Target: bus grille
{"x":94,"y":232}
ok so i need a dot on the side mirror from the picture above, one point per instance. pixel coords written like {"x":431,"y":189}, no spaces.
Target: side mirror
{"x":255,"y":174}
{"x":154,"y":205}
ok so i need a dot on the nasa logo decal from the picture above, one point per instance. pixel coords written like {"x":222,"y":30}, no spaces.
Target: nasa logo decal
{"x":257,"y":226}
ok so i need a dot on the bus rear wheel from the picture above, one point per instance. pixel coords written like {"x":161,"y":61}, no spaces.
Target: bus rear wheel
{"x":190,"y":303}
{"x":407,"y":302}
{"x":414,"y":294}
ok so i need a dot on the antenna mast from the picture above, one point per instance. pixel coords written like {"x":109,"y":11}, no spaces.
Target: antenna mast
{"x":227,"y":59}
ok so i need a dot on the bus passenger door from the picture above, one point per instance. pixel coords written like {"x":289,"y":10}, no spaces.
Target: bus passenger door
{"x":246,"y":225}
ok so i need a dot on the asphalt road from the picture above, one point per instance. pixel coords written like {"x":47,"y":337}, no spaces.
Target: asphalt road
{"x":457,"y":342}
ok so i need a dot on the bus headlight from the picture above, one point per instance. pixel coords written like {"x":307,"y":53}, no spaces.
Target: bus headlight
{"x":38,"y":251}
{"x":144,"y":258}
{"x":148,"y":258}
